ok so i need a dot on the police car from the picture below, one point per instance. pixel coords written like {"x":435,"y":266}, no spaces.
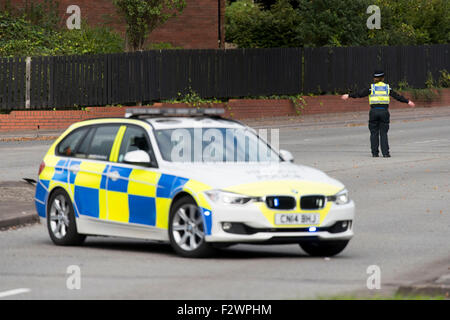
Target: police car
{"x":188,"y":177}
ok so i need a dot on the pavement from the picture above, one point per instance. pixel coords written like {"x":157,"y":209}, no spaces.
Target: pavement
{"x":16,"y":204}
{"x":412,"y":193}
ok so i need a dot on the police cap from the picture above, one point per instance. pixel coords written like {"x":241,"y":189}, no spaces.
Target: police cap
{"x":378,"y":74}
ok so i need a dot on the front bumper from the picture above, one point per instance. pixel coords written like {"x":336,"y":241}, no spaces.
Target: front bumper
{"x":260,"y":229}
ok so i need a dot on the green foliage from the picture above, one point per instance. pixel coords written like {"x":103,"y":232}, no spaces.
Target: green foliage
{"x":429,"y":83}
{"x":444,"y":79}
{"x":427,"y":94}
{"x":21,"y":37}
{"x":43,"y":14}
{"x":403,"y":85}
{"x":249,"y":26}
{"x":298,"y":23}
{"x":432,"y":91}
{"x":192,"y":98}
{"x":161,"y":46}
{"x":412,"y":22}
{"x":299,"y":103}
{"x":144,"y":16}
{"x":333,"y":22}
{"x":89,"y":40}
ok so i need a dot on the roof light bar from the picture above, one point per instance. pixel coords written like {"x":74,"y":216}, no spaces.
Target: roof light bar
{"x":135,"y":112}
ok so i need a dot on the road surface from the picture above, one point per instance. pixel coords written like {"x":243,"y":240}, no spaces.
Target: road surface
{"x":402,"y":226}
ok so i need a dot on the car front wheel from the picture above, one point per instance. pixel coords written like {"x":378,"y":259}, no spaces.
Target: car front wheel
{"x":186,"y":229}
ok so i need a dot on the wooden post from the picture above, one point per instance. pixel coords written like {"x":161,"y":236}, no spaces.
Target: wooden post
{"x":28,"y":83}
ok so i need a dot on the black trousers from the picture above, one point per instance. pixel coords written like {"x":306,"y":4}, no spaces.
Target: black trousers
{"x":379,"y":126}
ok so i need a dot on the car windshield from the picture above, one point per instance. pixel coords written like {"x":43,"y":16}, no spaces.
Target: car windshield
{"x":213,"y":145}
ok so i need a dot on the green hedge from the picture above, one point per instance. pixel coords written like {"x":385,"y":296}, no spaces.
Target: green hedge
{"x":299,"y":23}
{"x":21,"y":37}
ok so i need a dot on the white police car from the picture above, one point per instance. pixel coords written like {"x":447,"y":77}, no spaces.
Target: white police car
{"x":188,"y":177}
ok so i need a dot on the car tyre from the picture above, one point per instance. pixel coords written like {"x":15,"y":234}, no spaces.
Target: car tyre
{"x":186,"y":229}
{"x":61,"y":223}
{"x":324,"y":248}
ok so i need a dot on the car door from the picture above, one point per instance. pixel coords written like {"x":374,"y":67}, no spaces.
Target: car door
{"x":131,"y":188}
{"x":89,"y":171}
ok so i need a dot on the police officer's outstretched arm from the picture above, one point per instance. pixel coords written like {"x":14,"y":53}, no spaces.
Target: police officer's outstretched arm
{"x":361,"y":94}
{"x":401,"y":98}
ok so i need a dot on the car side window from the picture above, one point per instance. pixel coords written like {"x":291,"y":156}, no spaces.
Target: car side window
{"x":83,"y":148}
{"x":68,"y":145}
{"x":135,"y":139}
{"x":102,"y":142}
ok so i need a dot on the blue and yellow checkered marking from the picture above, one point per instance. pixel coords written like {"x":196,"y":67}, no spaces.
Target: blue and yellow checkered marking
{"x":61,"y":172}
{"x":73,"y":175}
{"x":139,"y":196}
{"x":207,"y":220}
{"x":41,"y":197}
{"x":121,"y":184}
{"x":40,"y":208}
{"x":41,"y":190}
{"x":142,"y":210}
{"x":169,"y":184}
{"x":87,"y":200}
{"x":104,"y":177}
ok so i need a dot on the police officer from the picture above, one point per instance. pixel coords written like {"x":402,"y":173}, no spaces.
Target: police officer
{"x":379,"y":93}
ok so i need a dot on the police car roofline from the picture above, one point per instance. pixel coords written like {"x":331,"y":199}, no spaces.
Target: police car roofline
{"x":140,"y":118}
{"x":187,"y":112}
{"x":209,"y":113}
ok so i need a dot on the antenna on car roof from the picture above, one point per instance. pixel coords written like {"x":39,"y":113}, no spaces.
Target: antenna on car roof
{"x":168,"y":112}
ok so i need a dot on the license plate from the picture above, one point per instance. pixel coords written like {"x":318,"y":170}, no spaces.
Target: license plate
{"x":297,"y":218}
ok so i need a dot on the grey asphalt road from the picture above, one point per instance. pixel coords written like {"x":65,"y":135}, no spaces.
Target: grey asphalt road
{"x":402,"y":226}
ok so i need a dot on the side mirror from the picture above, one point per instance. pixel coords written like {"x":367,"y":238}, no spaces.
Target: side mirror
{"x":138,"y":157}
{"x":286,"y":156}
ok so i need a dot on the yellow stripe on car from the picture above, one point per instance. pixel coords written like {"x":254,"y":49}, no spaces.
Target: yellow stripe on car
{"x":117,"y":143}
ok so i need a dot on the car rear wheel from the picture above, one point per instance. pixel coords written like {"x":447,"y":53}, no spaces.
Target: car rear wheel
{"x":186,"y":229}
{"x":324,"y":248}
{"x":61,"y":220}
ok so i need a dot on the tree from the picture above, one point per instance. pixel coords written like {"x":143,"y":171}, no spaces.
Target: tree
{"x":144,"y":16}
{"x":334,"y":22}
{"x":315,"y":23}
{"x":410,"y":22}
{"x":250,"y":26}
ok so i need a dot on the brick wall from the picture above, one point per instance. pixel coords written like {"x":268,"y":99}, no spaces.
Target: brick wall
{"x":237,"y":109}
{"x":197,"y":27}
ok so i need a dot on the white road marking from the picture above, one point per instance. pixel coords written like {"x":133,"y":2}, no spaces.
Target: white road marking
{"x":14,"y":292}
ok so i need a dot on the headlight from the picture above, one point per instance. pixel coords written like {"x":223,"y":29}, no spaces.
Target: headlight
{"x":229,"y":197}
{"x":340,"y":197}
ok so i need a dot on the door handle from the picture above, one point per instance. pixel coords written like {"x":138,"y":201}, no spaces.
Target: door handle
{"x":114,"y":175}
{"x":75,"y":168}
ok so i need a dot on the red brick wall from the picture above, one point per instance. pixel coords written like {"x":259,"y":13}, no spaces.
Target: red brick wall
{"x":196,"y":27}
{"x":237,"y":109}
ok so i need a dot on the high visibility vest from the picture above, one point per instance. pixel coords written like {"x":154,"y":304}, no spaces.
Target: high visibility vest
{"x":379,"y":93}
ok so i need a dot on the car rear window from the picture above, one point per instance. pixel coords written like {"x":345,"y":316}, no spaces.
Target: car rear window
{"x":67,"y":146}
